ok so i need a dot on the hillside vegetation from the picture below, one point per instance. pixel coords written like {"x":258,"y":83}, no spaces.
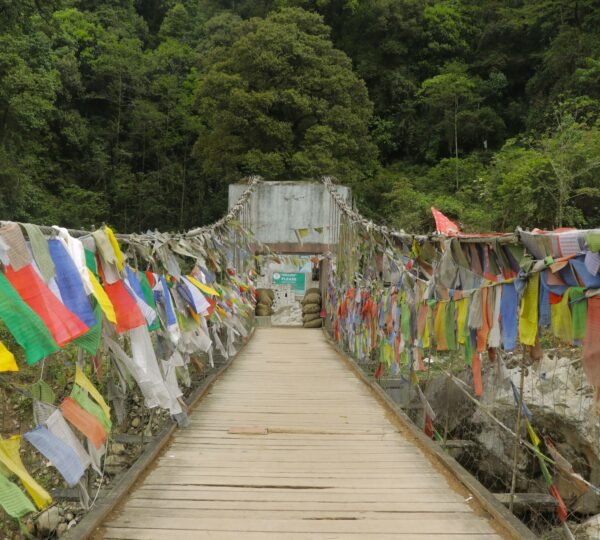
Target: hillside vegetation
{"x":138,"y":113}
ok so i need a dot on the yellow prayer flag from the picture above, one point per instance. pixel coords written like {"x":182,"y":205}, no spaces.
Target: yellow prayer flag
{"x":204,"y":288}
{"x":7,"y":359}
{"x":102,"y":298}
{"x":10,"y":458}
{"x":113,"y":242}
{"x":462,"y":310}
{"x":426,"y":339}
{"x":561,"y":319}
{"x":528,"y":314}
{"x":535,"y":440}
{"x":86,"y":384}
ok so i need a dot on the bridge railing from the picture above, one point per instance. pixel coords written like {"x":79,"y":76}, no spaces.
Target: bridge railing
{"x":490,"y":344}
{"x":104,"y":338}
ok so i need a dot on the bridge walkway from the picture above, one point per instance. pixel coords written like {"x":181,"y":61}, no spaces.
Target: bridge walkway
{"x":289,"y":445}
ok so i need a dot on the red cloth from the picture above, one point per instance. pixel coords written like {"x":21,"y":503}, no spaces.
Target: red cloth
{"x":150,"y":278}
{"x":476,"y":366}
{"x":128,"y":313}
{"x":62,"y":323}
{"x":443,"y":225}
{"x":85,"y":422}
{"x":561,"y":508}
{"x":428,"y":427}
{"x":591,"y":342}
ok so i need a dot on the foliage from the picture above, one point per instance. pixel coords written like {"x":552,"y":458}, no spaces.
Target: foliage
{"x":282,"y":102}
{"x":139,"y":113}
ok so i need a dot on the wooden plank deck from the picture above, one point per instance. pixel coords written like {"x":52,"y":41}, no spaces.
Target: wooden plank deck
{"x":289,"y":444}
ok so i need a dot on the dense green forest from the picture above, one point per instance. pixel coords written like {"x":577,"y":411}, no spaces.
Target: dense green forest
{"x":138,"y":113}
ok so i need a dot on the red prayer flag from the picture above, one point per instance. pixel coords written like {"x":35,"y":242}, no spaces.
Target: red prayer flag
{"x":85,"y":422}
{"x":428,"y":427}
{"x":591,"y":343}
{"x":443,"y":225}
{"x":561,"y":507}
{"x":63,"y":324}
{"x":476,"y":366}
{"x":129,"y":315}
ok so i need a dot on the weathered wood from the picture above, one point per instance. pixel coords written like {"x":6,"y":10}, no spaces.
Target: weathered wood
{"x":116,"y":533}
{"x":526,"y":501}
{"x":95,"y":517}
{"x":289,"y":444}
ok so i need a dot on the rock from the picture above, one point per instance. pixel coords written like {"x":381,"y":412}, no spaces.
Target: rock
{"x":61,"y":529}
{"x":589,"y":529}
{"x":71,"y":524}
{"x":49,"y":520}
{"x":287,"y":315}
{"x":69,"y":516}
{"x":117,"y":448}
{"x":30,"y":526}
{"x":136,"y":422}
{"x":114,"y":459}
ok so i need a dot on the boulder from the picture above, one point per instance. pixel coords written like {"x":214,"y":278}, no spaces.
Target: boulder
{"x":48,"y":521}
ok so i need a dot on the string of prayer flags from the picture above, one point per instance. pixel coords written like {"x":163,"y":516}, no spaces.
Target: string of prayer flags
{"x":24,"y":324}
{"x":64,"y":325}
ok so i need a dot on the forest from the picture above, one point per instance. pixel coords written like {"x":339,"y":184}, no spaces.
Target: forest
{"x":139,"y":113}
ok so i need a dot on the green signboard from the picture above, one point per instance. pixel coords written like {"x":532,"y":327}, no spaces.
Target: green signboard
{"x":296,"y":279}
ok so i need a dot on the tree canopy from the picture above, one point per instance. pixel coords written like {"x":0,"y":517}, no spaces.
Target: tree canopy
{"x":140,"y":113}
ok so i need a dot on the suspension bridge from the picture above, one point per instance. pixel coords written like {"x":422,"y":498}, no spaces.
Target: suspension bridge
{"x":345,"y":431}
{"x":291,"y":443}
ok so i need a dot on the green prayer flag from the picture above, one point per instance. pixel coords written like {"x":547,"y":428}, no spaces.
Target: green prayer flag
{"x":89,"y":405}
{"x":42,"y":391}
{"x":90,"y":261}
{"x":90,"y":341}
{"x":24,"y":324}
{"x":468,"y":348}
{"x":578,"y":311}
{"x":593,"y":240}
{"x":450,"y":325}
{"x":149,"y":298}
{"x":14,"y":502}
{"x":405,"y":322}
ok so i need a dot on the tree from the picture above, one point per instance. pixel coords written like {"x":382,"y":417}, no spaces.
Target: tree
{"x":282,"y":102}
{"x":448,"y":93}
{"x":548,"y":182}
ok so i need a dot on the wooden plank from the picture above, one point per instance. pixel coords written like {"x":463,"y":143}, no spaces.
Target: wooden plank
{"x":527,"y":501}
{"x":289,"y":444}
{"x":117,"y":533}
{"x":415,"y":525}
{"x":382,"y":507}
